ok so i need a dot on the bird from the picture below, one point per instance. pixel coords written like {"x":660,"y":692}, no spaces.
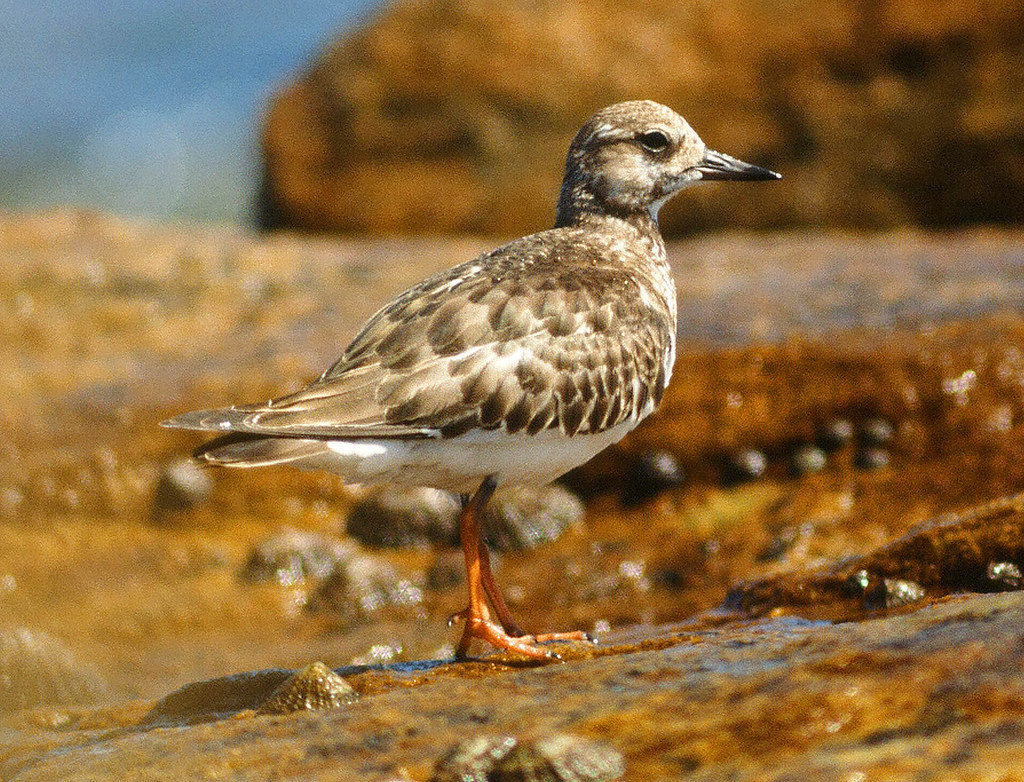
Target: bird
{"x":511,"y":368}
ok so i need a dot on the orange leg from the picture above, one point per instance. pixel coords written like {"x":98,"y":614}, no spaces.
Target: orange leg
{"x":497,"y":600}
{"x":477,"y":616}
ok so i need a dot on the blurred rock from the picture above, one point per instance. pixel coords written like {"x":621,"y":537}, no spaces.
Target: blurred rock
{"x":314,"y":688}
{"x":379,"y":654}
{"x":361,"y":586}
{"x":903,"y":374}
{"x":291,"y":556}
{"x":871,"y":458}
{"x":653,"y":473}
{"x":780,"y":544}
{"x":397,"y":516}
{"x":524,"y":517}
{"x":626,"y":582}
{"x":744,"y":465}
{"x":835,"y":434}
{"x":436,"y":117}
{"x":38,"y":670}
{"x":449,"y":569}
{"x":182,"y":484}
{"x":876,"y":432}
{"x":516,"y":518}
{"x":808,"y":459}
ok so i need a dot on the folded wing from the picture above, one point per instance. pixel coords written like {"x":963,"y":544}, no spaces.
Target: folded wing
{"x":524,"y":345}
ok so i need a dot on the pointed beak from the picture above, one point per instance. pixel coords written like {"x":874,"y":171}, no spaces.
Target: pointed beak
{"x":717,"y":165}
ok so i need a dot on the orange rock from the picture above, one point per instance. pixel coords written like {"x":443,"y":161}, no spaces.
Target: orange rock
{"x":440,"y":117}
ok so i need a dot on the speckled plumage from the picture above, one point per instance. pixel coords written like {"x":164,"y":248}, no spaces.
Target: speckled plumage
{"x":570,"y":330}
{"x":543,"y":333}
{"x":514,"y":367}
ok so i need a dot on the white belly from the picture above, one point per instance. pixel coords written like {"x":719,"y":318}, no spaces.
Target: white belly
{"x":461,"y":463}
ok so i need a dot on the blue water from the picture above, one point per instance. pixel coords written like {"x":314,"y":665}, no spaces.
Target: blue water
{"x":147,"y":107}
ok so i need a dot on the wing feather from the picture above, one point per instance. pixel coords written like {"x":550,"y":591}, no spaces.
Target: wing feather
{"x":521,"y":338}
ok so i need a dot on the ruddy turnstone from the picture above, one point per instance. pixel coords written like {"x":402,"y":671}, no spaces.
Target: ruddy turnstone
{"x":512,"y":368}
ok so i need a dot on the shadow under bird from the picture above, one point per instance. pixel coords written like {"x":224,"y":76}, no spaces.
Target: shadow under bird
{"x":512,"y":368}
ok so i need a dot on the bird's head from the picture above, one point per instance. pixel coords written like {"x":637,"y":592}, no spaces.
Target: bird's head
{"x":632,"y":157}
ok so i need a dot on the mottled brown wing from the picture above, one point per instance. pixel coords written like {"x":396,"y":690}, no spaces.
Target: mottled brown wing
{"x":521,"y":338}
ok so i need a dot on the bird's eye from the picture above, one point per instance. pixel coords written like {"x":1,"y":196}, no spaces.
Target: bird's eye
{"x":654,"y":141}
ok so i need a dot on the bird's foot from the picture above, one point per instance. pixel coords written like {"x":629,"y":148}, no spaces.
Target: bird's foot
{"x":572,"y":635}
{"x":509,"y":639}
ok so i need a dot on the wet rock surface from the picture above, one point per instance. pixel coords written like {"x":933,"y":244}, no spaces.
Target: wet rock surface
{"x":748,"y":631}
{"x":952,"y":552}
{"x":783,"y":698}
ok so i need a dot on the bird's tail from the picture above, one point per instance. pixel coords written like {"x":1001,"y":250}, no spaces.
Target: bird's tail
{"x":240,"y":449}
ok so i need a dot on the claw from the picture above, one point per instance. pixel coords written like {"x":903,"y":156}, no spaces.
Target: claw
{"x":494,"y":634}
{"x":458,"y":616}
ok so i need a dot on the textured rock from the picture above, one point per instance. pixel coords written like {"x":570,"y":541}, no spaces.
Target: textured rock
{"x":440,"y":117}
{"x":558,"y":758}
{"x":952,"y":552}
{"x":778,"y":699}
{"x":314,"y":688}
{"x":218,"y":697}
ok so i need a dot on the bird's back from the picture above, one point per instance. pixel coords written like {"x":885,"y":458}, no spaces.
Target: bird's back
{"x":569,"y":329}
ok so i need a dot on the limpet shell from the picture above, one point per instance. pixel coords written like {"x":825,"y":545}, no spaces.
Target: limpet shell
{"x":558,"y":758}
{"x":313,"y":688}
